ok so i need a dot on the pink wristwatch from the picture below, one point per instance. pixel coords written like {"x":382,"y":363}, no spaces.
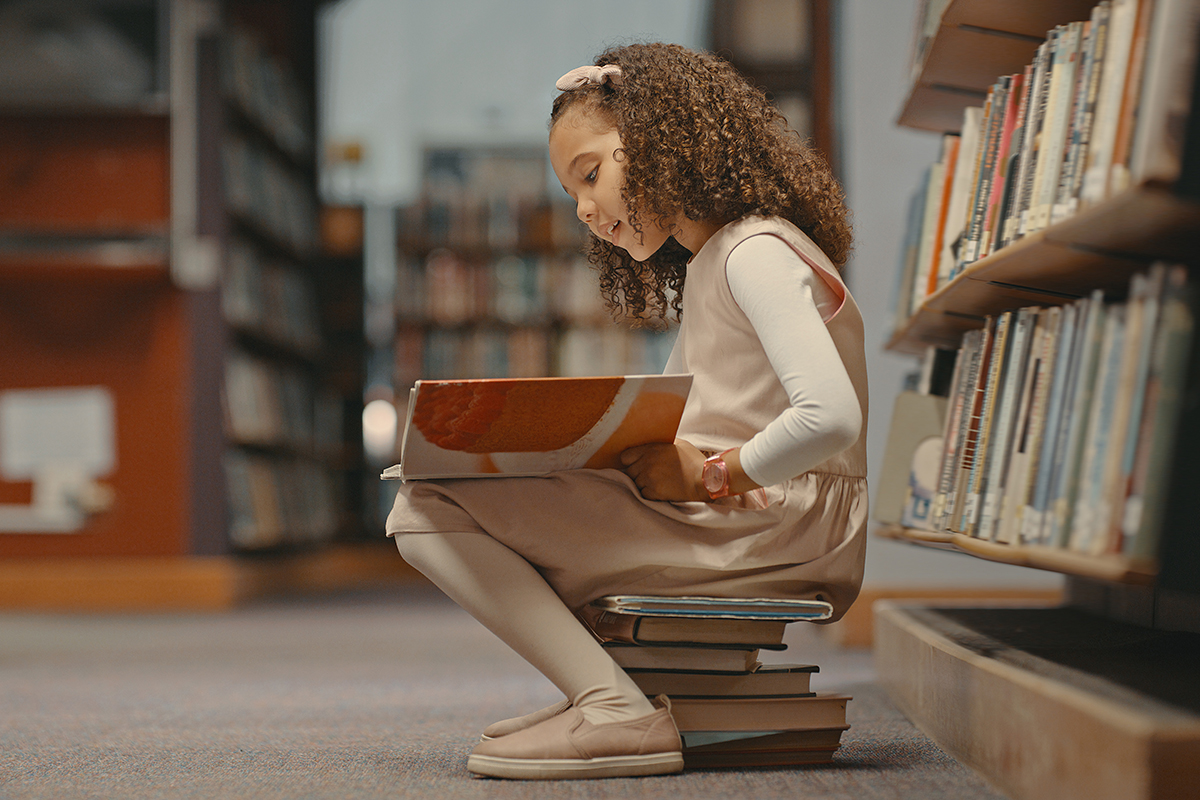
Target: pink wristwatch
{"x":715,"y":475}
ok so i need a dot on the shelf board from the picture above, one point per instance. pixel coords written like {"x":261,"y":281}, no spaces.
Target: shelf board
{"x":977,"y":42}
{"x":108,"y":259}
{"x":1047,"y":703}
{"x":1099,"y":248}
{"x":1112,"y":568}
{"x":195,"y":583}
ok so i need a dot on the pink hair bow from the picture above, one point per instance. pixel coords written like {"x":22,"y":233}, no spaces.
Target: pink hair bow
{"x":582,"y":76}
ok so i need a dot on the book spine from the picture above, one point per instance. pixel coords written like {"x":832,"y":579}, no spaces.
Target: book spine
{"x":989,"y":146}
{"x":964,"y":375}
{"x":1033,"y":133}
{"x":1048,"y":462}
{"x":1029,"y":524}
{"x":971,"y":440}
{"x":1000,"y":354}
{"x":1011,"y":389}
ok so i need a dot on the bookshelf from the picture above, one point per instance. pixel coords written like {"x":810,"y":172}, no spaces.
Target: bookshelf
{"x":993,"y":686}
{"x":492,"y":281}
{"x":159,"y":242}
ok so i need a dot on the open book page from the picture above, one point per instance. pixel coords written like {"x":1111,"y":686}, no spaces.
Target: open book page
{"x":505,"y":427}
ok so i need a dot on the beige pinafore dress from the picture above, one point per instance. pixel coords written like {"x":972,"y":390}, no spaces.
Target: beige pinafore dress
{"x":590,"y":533}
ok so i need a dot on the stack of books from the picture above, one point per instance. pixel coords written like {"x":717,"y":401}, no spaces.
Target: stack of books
{"x":702,"y":653}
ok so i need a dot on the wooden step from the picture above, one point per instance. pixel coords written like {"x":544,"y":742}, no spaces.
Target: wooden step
{"x":1049,"y":703}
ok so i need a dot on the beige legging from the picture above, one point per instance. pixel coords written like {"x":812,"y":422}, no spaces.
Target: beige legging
{"x":511,"y":599}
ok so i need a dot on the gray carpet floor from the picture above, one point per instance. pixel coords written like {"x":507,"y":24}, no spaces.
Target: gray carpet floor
{"x":378,"y":696}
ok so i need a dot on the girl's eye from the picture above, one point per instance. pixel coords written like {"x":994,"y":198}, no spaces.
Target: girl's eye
{"x":591,"y":176}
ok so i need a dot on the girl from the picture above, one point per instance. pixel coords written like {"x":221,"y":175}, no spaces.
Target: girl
{"x":680,"y":170}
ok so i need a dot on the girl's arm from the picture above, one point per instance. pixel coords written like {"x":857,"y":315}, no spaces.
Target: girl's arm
{"x":784,"y":300}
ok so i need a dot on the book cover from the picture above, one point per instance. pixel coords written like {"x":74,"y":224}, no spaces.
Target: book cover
{"x":1030,"y":151}
{"x":821,"y":711}
{"x":724,"y":749}
{"x":989,"y":145}
{"x":1001,"y":168}
{"x":1010,"y":390}
{"x":1027,"y":524}
{"x":1048,"y":461}
{"x":683,"y":657}
{"x":1143,"y":361}
{"x":960,"y":193}
{"x":1096,"y":438}
{"x":984,"y":446}
{"x":768,"y":680}
{"x":966,"y":367}
{"x":1054,"y":132}
{"x":1158,"y":139}
{"x":1122,"y":20}
{"x":1142,"y":520}
{"x":1118,"y":177}
{"x":1066,"y":487}
{"x":764,"y":608}
{"x":950,"y":147}
{"x":506,"y":427}
{"x":1008,"y":507}
{"x":652,"y":630}
{"x":973,"y":413}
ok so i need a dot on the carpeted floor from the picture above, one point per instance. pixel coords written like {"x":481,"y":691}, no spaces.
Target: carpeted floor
{"x":358,"y":697}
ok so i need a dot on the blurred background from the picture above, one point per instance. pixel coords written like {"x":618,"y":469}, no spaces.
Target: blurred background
{"x":232,"y":235}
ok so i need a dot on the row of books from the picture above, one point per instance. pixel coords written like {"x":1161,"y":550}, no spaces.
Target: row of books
{"x":262,"y":190}
{"x":731,"y":710}
{"x":446,"y":288}
{"x":1103,"y":106}
{"x":513,"y":222}
{"x":266,"y":92}
{"x":270,"y":298}
{"x":276,"y":500}
{"x":527,"y":352}
{"x":1059,"y":424}
{"x":271,"y":404}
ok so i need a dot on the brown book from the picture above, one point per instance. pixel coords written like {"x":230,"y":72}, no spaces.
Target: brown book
{"x":822,"y":711}
{"x":768,"y":680}
{"x":761,"y":749}
{"x":682,"y":657}
{"x":651,"y":630}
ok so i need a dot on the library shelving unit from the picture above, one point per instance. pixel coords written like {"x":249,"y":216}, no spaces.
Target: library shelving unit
{"x":492,"y":280}
{"x":179,"y":421}
{"x":1096,"y":698}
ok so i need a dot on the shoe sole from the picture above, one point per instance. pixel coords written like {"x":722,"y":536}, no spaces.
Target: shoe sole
{"x":574,"y":768}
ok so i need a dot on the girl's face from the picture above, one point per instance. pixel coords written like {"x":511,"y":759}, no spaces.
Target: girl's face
{"x":585,"y":154}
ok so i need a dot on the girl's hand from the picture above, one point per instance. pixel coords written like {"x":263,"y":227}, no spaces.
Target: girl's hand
{"x":666,"y":471}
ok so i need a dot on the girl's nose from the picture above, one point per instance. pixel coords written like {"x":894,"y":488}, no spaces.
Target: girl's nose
{"x":585,"y":209}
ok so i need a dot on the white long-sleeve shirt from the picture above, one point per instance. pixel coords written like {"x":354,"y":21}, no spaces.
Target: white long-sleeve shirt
{"x":787,"y":303}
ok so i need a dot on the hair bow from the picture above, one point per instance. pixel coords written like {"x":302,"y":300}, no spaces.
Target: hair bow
{"x":582,"y":76}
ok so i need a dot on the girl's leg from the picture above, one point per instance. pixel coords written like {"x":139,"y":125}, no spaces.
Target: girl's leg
{"x":509,"y":597}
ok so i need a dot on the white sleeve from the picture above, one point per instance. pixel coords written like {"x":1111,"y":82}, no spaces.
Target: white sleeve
{"x":781,"y":295}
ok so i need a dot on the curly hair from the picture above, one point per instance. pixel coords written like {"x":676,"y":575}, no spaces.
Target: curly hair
{"x":699,"y":140}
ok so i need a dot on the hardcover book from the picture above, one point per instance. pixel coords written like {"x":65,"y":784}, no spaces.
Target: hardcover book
{"x":507,"y":427}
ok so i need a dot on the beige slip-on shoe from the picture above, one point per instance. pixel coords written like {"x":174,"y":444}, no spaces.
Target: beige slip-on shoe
{"x":567,"y":746}
{"x":506,"y":726}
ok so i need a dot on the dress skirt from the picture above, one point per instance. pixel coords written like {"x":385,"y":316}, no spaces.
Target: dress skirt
{"x":590,"y":533}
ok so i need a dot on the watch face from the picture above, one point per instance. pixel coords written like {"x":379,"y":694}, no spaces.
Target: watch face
{"x":713,"y":477}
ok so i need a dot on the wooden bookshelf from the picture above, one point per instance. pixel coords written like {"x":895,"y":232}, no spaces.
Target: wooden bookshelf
{"x":1100,"y":248}
{"x":980,"y":681}
{"x":1110,"y":568}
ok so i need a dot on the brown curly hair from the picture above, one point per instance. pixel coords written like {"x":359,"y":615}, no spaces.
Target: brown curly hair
{"x":699,"y":140}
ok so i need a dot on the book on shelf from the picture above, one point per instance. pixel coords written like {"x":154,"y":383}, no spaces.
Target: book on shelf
{"x":507,"y":427}
{"x":1008,"y":389}
{"x":1079,"y":440}
{"x":1103,"y":105}
{"x":765,"y":680}
{"x":683,"y":656}
{"x":1141,"y":520}
{"x":1001,"y":327}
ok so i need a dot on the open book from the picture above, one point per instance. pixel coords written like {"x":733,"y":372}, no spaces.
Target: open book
{"x":505,"y":427}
